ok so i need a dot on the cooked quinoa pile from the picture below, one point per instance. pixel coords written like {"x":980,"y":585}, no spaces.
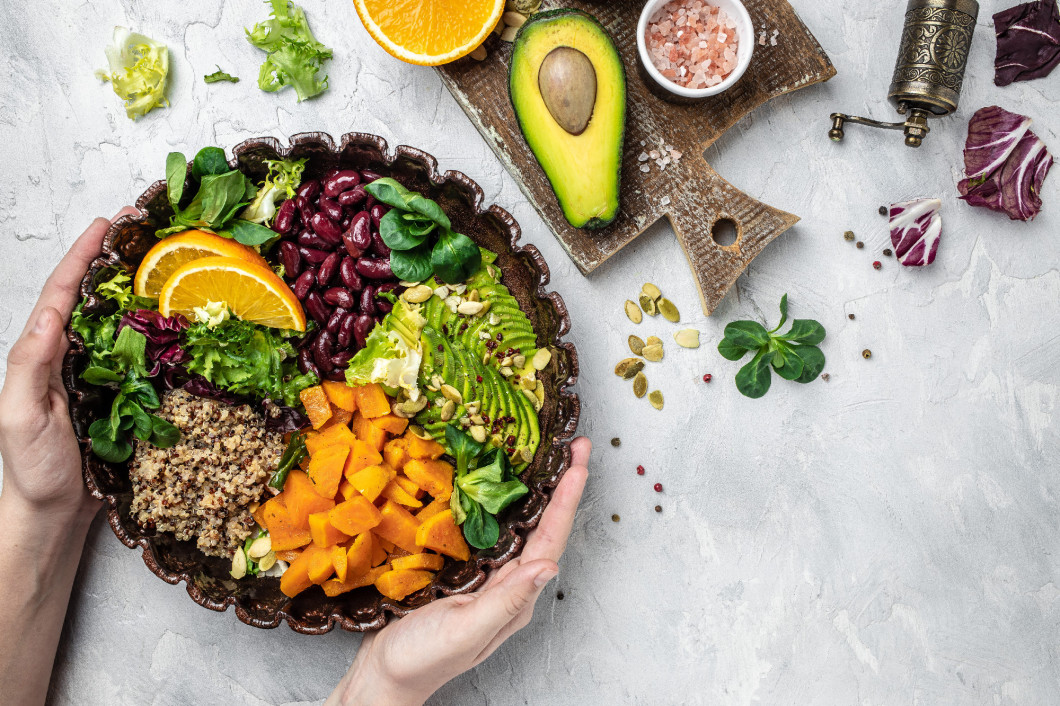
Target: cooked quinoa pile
{"x":203,"y":486}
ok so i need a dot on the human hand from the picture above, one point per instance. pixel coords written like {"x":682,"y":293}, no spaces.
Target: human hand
{"x":408,"y":660}
{"x":42,"y":461}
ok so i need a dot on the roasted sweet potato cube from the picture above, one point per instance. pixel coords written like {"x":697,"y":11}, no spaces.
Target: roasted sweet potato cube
{"x":437,"y":505}
{"x":441,"y":534}
{"x":391,"y":424}
{"x":370,"y":481}
{"x":296,"y":578}
{"x":317,"y":406}
{"x":423,"y":448}
{"x":321,"y":563}
{"x":355,"y":516}
{"x":302,"y":499}
{"x":436,"y":477}
{"x":359,"y":555}
{"x":394,"y":491}
{"x":361,"y":456}
{"x":335,"y":588}
{"x":339,"y":416}
{"x":409,"y":486}
{"x":258,"y":514}
{"x":346,"y":490}
{"x":341,"y":395}
{"x":325,"y":469}
{"x":338,"y":561}
{"x":379,"y":552}
{"x":285,"y":531}
{"x":330,"y":436}
{"x":371,"y":400}
{"x":288,"y":555}
{"x":395,"y":452}
{"x":366,"y":431}
{"x":398,"y":526}
{"x":397,"y":584}
{"x":324,"y":533}
{"x":422,"y":561}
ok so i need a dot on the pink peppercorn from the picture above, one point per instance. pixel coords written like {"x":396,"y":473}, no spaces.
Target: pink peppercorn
{"x":708,"y":377}
{"x":877,"y":265}
{"x":640,"y":470}
{"x":658,"y":487}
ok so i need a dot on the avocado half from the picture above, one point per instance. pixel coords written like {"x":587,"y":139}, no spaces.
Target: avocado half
{"x":568,"y":89}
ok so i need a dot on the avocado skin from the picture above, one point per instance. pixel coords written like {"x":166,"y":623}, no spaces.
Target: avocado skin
{"x":526,"y":114}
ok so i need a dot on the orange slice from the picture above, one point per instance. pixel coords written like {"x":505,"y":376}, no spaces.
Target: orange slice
{"x":429,"y":32}
{"x":253,"y":292}
{"x":164,"y":258}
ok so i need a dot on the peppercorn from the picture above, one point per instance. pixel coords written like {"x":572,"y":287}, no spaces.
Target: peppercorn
{"x":658,"y":487}
{"x":658,"y":508}
{"x":866,"y":354}
{"x":887,"y":252}
{"x":850,"y":316}
{"x":615,"y":518}
{"x":883,"y":210}
{"x":640,"y":470}
{"x":708,"y":377}
{"x":478,"y":378}
{"x":877,"y":265}
{"x":559,"y":595}
{"x":859,"y":245}
{"x":616,"y":442}
{"x":849,"y":235}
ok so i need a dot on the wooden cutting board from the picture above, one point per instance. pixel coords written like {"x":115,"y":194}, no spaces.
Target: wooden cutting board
{"x":687,"y":191}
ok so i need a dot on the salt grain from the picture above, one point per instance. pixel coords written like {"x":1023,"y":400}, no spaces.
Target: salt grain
{"x":664,"y":201}
{"x":699,"y":55}
{"x":645,"y":168}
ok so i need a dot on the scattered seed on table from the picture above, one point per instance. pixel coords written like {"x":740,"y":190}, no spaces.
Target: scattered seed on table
{"x":640,"y":470}
{"x":883,"y":210}
{"x":826,"y":377}
{"x":658,"y":487}
{"x":849,"y":235}
{"x":887,"y":252}
{"x":859,"y":245}
{"x":658,"y":508}
{"x":615,"y":518}
{"x":866,"y":354}
{"x":877,"y":265}
{"x":708,"y":377}
{"x":616,"y":442}
{"x":851,"y":317}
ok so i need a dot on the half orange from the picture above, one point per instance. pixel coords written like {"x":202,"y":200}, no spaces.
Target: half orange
{"x":253,"y":292}
{"x":170,"y":253}
{"x":429,"y":32}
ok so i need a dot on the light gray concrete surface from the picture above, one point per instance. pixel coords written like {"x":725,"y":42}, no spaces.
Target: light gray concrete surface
{"x":887,"y":537}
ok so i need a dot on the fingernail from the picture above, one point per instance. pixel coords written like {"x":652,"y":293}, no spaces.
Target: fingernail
{"x":544,"y":577}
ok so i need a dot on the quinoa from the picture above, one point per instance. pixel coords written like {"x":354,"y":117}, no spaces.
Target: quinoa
{"x":204,"y":485}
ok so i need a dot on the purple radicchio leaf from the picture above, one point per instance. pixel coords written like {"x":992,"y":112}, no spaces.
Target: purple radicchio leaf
{"x":1005,"y":164}
{"x":1028,"y":41}
{"x":201,"y":387}
{"x":163,"y":349}
{"x":916,"y":227}
{"x":283,"y":419}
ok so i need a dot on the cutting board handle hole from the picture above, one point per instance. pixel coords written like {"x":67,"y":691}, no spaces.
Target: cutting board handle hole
{"x":725,"y":233}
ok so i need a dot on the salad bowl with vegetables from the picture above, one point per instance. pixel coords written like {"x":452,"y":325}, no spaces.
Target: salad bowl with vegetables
{"x":321,"y":383}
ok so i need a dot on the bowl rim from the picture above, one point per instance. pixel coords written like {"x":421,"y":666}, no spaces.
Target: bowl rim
{"x":744,"y":29}
{"x":568,"y":407}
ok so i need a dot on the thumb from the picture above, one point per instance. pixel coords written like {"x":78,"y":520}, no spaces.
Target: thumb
{"x":29,"y":363}
{"x":502,"y":602}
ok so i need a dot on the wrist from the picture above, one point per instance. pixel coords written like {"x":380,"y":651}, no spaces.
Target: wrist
{"x":365,"y":684}
{"x":52,"y":525}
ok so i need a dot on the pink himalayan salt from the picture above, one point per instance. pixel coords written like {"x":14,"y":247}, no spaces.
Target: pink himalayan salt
{"x":692,"y":43}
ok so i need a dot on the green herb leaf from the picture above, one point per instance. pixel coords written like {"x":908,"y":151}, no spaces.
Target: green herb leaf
{"x":106,"y":447}
{"x":392,"y":193}
{"x":754,"y":379}
{"x":401,"y":234}
{"x":130,"y":350}
{"x":412,"y":265}
{"x":248,"y":233}
{"x":786,"y":363}
{"x":731,"y":351}
{"x":455,"y":257}
{"x":98,"y":375}
{"x":176,"y":173}
{"x":805,"y":331}
{"x":209,"y":161}
{"x":222,"y":194}
{"x":486,"y":485}
{"x":812,"y":362}
{"x":783,"y":312}
{"x":220,"y":75}
{"x":462,"y":447}
{"x":749,"y":335}
{"x":295,"y":452}
{"x":480,"y":528}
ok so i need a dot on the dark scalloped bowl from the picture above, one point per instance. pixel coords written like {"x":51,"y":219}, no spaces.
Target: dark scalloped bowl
{"x":259,"y":602}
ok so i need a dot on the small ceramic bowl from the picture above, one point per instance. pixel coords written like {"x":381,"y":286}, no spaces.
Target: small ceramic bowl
{"x":744,"y":30}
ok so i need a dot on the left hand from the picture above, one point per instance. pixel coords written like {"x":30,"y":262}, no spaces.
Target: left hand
{"x":410,"y":659}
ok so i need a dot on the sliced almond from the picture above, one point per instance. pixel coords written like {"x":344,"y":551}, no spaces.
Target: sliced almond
{"x":478,"y":433}
{"x":452,"y":302}
{"x":648,"y":305}
{"x":417,"y":294}
{"x":669,"y":310}
{"x":651,"y":290}
{"x":469,"y":308}
{"x":267,"y":562}
{"x":479,"y":54}
{"x":636,"y":344}
{"x":452,"y":394}
{"x":687,"y":338}
{"x":628,"y":367}
{"x":239,"y":564}
{"x":507,"y":361}
{"x":653,"y":353}
{"x":633,"y":312}
{"x":640,"y":384}
{"x":259,"y":547}
{"x":541,"y":358}
{"x":656,"y":399}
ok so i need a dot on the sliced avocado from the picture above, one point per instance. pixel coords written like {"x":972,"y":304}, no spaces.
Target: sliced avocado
{"x":568,"y":89}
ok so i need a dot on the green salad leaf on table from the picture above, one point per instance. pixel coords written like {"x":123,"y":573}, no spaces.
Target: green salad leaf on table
{"x":139,"y":69}
{"x":294,"y":56}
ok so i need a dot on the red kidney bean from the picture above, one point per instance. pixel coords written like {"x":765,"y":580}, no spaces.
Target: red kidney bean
{"x":345,"y":222}
{"x":329,"y":268}
{"x":290,"y":259}
{"x":313,"y":256}
{"x":378,"y":211}
{"x":317,"y":309}
{"x":336,"y":375}
{"x":284,"y":218}
{"x":349,"y":276}
{"x":382,"y":304}
{"x":378,"y":318}
{"x":341,"y":181}
{"x":303,"y":284}
{"x":369,"y":202}
{"x":335,"y":322}
{"x":361,"y":328}
{"x":326,"y":228}
{"x":309,"y":189}
{"x":341,"y":360}
{"x":345,"y":334}
{"x":306,"y":364}
{"x":373,"y":268}
{"x":379,"y":247}
{"x":368,"y":176}
{"x":368,"y":300}
{"x":322,"y":351}
{"x":311,"y":240}
{"x":329,"y":174}
{"x":353,"y":197}
{"x":305,"y":209}
{"x":358,"y":237}
{"x":339,"y":297}
{"x":331,"y":208}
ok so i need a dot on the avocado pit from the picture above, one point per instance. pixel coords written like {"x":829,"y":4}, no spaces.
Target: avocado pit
{"x":567,"y":82}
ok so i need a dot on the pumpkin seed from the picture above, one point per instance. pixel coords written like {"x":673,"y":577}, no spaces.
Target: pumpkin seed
{"x":452,"y":394}
{"x":633,"y":312}
{"x":539,"y":393}
{"x":473,"y":296}
{"x":648,"y":305}
{"x":239,"y":564}
{"x":640,"y":384}
{"x":687,"y":338}
{"x":654,"y":353}
{"x":526,"y":7}
{"x":409,"y":408}
{"x":259,"y":547}
{"x":656,"y":399}
{"x":653,"y":341}
{"x":506,"y":361}
{"x":628,"y":367}
{"x":478,"y":433}
{"x":267,"y":562}
{"x":469,"y":308}
{"x":651,"y":290}
{"x":448,"y":410}
{"x":519,"y":361}
{"x":419,"y":432}
{"x":541,"y":358}
{"x":636,"y":345}
{"x":417,"y":294}
{"x":479,"y":54}
{"x":669,"y":310}
{"x":526,"y":454}
{"x":508,"y":35}
{"x":514,"y":19}
{"x":532,"y":397}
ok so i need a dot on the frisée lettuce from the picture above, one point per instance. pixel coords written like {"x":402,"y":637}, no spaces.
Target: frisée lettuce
{"x":139,"y":69}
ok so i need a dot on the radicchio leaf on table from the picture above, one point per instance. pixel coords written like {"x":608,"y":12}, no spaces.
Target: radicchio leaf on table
{"x":1005,"y":164}
{"x":1028,"y":41}
{"x":916,"y":227}
{"x":163,"y":349}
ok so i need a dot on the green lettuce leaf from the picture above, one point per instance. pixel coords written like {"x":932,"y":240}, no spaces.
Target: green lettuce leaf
{"x":282,"y":182}
{"x":392,"y":354}
{"x":294,"y":55}
{"x":139,"y":69}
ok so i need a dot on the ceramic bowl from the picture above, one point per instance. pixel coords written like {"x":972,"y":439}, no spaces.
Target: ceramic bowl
{"x":744,"y":30}
{"x":258,"y":601}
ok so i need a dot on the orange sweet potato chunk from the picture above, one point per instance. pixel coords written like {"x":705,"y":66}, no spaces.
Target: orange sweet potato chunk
{"x":361,"y":456}
{"x":371,"y":400}
{"x":366,"y":431}
{"x":324,"y":533}
{"x":370,"y":481}
{"x":394,"y":491}
{"x":296,"y":578}
{"x":437,"y":505}
{"x":341,"y":395}
{"x":285,"y":531}
{"x":330,"y":436}
{"x":429,"y":562}
{"x":436,"y":477}
{"x":379,"y":552}
{"x":339,"y":563}
{"x":302,"y":499}
{"x":355,"y":516}
{"x":395,"y":452}
{"x":397,"y":584}
{"x":346,"y":490}
{"x":359,"y":555}
{"x":325,"y":469}
{"x":321,"y":567}
{"x":339,"y":416}
{"x":423,"y":448}
{"x":288,"y":555}
{"x":317,"y":406}
{"x":335,"y":588}
{"x":398,"y":526}
{"x":391,"y":424}
{"x":441,"y":534}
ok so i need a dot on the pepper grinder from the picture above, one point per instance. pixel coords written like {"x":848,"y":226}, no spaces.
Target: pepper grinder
{"x":929,"y":71}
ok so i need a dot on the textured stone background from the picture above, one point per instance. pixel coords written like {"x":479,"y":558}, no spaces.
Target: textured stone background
{"x":886,"y":537}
